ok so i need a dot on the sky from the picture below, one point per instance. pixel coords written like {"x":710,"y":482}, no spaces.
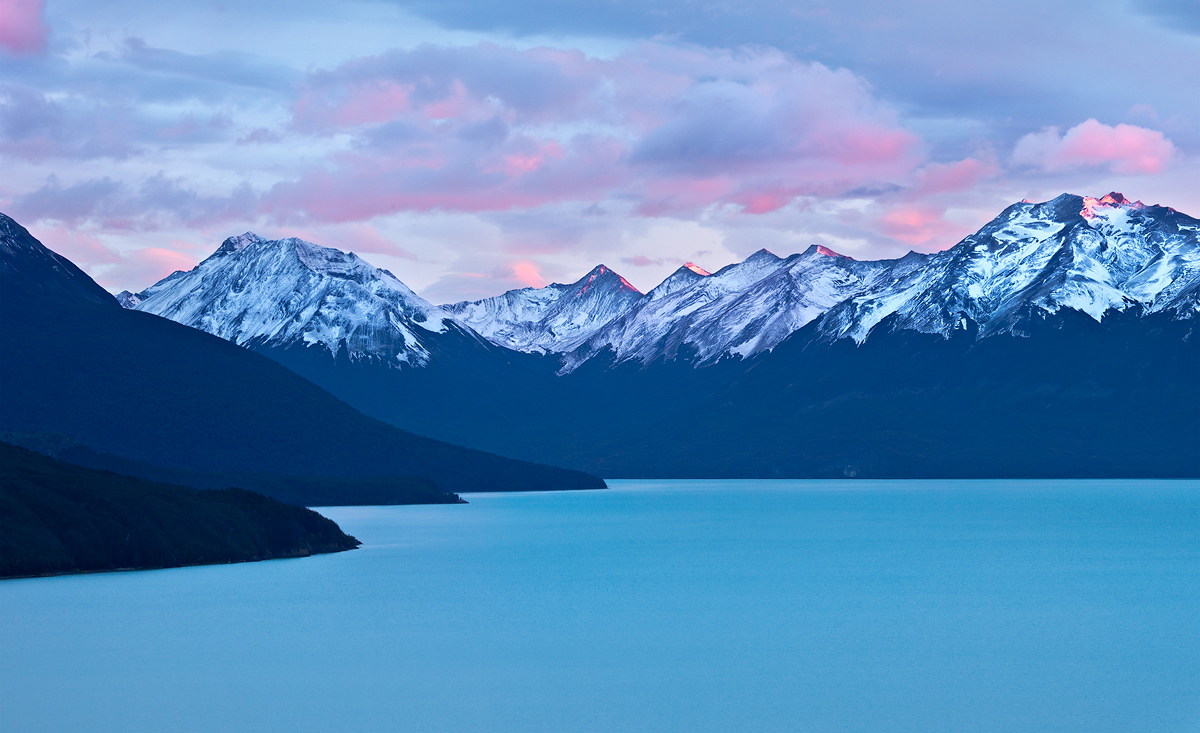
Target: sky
{"x":474,"y":146}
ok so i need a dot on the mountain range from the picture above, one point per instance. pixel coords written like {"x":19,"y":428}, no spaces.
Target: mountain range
{"x":598,"y":376}
{"x":1087,"y":254}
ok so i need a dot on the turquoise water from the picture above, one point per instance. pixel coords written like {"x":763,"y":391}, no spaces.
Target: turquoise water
{"x":654,"y":606}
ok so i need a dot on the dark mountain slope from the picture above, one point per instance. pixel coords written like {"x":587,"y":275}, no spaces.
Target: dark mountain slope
{"x":299,"y":490}
{"x":59,"y":518}
{"x":1070,"y":397}
{"x":141,"y":387}
{"x":1074,"y":398}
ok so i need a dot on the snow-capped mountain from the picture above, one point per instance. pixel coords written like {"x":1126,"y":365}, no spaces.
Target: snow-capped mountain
{"x":258,"y":292}
{"x":1086,"y":254}
{"x":740,"y":310}
{"x":986,"y":359}
{"x":128,"y":300}
{"x":1089,"y":255}
{"x":554,"y":319}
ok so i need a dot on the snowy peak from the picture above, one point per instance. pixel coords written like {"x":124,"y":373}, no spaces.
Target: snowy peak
{"x":823,"y":250}
{"x":1102,"y":206}
{"x":742,"y":309}
{"x":762,"y":257}
{"x":1091,"y":255}
{"x":602,"y":277}
{"x":553,"y":319}
{"x":285,"y":292}
{"x":1085,"y":254}
{"x":233,"y":245}
{"x":686,"y":276}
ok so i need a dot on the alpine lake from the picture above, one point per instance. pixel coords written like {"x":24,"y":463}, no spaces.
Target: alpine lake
{"x":652,"y":606}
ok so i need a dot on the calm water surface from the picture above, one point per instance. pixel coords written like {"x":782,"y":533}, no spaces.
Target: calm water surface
{"x":654,"y":606}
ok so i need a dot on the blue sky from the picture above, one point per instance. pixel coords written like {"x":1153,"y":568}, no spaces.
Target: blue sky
{"x":471,"y":147}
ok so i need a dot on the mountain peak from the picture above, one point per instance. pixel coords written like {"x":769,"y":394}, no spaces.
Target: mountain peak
{"x":556,"y":318}
{"x":823,"y":250}
{"x":603,"y":273}
{"x":289,"y":292}
{"x":684,"y":277}
{"x":30,"y":271}
{"x":128,"y":300}
{"x":233,"y":245}
{"x":762,"y":255}
{"x":1112,"y":200}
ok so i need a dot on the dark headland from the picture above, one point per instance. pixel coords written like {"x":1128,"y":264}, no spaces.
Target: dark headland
{"x":57,"y":518}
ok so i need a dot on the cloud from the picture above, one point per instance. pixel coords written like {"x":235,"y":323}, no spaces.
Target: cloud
{"x":528,"y":273}
{"x":136,"y":267}
{"x":22,"y":28}
{"x":158,"y":202}
{"x":37,"y":125}
{"x":920,"y":226}
{"x":82,"y":248}
{"x":491,"y":128}
{"x":653,"y":130}
{"x":1123,"y":149}
{"x":1177,"y":15}
{"x":641,"y":261}
{"x":962,"y":175}
{"x":226,"y":68}
{"x":916,"y":214}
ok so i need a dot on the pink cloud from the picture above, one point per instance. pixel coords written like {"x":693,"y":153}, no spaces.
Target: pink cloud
{"x":146,"y":266}
{"x":523,"y":173}
{"x":763,"y":202}
{"x":963,"y":175}
{"x":82,"y":248}
{"x":135,"y":268}
{"x":528,"y":273}
{"x":1123,"y":148}
{"x":376,"y":101}
{"x":921,"y":225}
{"x":22,"y":28}
{"x":671,"y":129}
{"x":641,"y":261}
